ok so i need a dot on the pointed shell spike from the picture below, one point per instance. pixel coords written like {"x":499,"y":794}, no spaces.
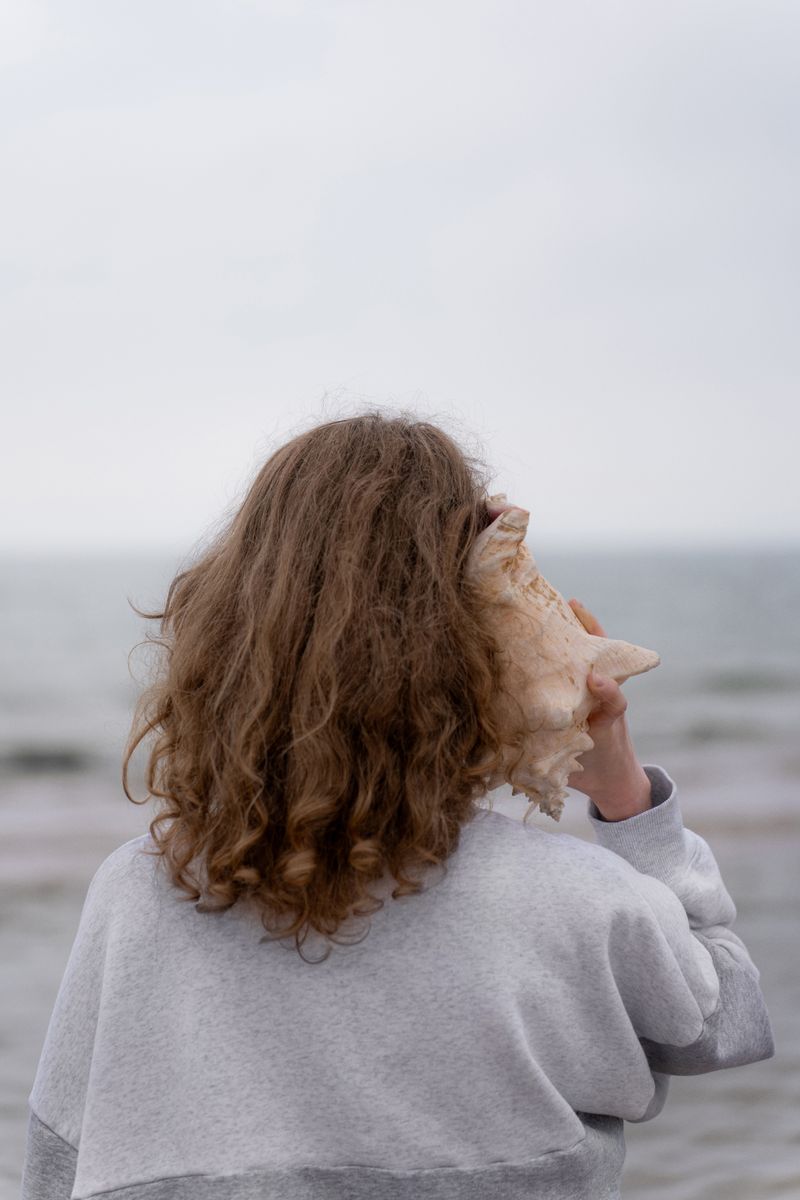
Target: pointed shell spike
{"x":619,"y":660}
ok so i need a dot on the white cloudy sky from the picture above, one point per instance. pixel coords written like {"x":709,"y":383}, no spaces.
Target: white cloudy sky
{"x":567,"y":230}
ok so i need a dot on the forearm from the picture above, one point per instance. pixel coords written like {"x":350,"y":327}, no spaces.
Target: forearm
{"x":632,"y":796}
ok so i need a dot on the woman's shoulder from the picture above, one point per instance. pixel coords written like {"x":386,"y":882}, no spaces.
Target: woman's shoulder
{"x":129,"y":865}
{"x":124,"y":854}
{"x":496,"y":825}
{"x":562,"y":856}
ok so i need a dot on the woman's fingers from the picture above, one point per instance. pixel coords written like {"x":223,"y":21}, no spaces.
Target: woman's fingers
{"x":497,"y":504}
{"x":587,"y":619}
{"x":608,"y":695}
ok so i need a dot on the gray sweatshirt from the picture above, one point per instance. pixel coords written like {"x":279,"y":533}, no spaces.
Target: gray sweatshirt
{"x":487,"y":1038}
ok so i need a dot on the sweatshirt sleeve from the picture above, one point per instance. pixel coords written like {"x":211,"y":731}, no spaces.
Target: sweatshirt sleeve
{"x":687,"y":980}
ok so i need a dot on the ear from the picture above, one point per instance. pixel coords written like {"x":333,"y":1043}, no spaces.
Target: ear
{"x":497,"y":548}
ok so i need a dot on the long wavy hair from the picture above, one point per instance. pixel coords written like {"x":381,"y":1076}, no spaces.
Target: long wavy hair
{"x":322,"y":703}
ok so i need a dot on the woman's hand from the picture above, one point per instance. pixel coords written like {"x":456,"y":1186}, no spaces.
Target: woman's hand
{"x":612,"y":776}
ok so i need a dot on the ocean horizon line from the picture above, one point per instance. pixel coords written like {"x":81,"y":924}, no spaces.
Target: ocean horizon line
{"x":103,"y":553}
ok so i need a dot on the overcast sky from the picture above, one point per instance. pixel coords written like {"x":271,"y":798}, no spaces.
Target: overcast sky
{"x":566,"y":231}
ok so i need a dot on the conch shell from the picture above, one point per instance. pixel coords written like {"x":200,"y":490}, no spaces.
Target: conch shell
{"x":547,"y":658}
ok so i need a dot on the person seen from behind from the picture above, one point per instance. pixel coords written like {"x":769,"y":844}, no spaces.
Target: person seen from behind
{"x":330,"y":969}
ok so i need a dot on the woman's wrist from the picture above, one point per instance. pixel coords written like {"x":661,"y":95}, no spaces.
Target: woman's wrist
{"x":633,"y":796}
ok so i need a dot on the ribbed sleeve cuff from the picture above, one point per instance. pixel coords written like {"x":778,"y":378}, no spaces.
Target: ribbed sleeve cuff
{"x":651,"y":841}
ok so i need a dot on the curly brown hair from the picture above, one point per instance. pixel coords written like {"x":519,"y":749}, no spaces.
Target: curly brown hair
{"x":324,"y":698}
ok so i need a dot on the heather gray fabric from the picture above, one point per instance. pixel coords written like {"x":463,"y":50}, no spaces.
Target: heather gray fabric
{"x":49,"y":1168}
{"x":487,"y":1037}
{"x":592,"y":1167}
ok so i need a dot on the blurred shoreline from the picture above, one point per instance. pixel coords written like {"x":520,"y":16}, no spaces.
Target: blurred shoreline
{"x":57,"y":828}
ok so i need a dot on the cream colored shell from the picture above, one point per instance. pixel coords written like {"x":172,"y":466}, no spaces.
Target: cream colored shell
{"x":548,"y":658}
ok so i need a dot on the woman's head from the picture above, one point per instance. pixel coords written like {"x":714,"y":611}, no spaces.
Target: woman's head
{"x":322,"y":708}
